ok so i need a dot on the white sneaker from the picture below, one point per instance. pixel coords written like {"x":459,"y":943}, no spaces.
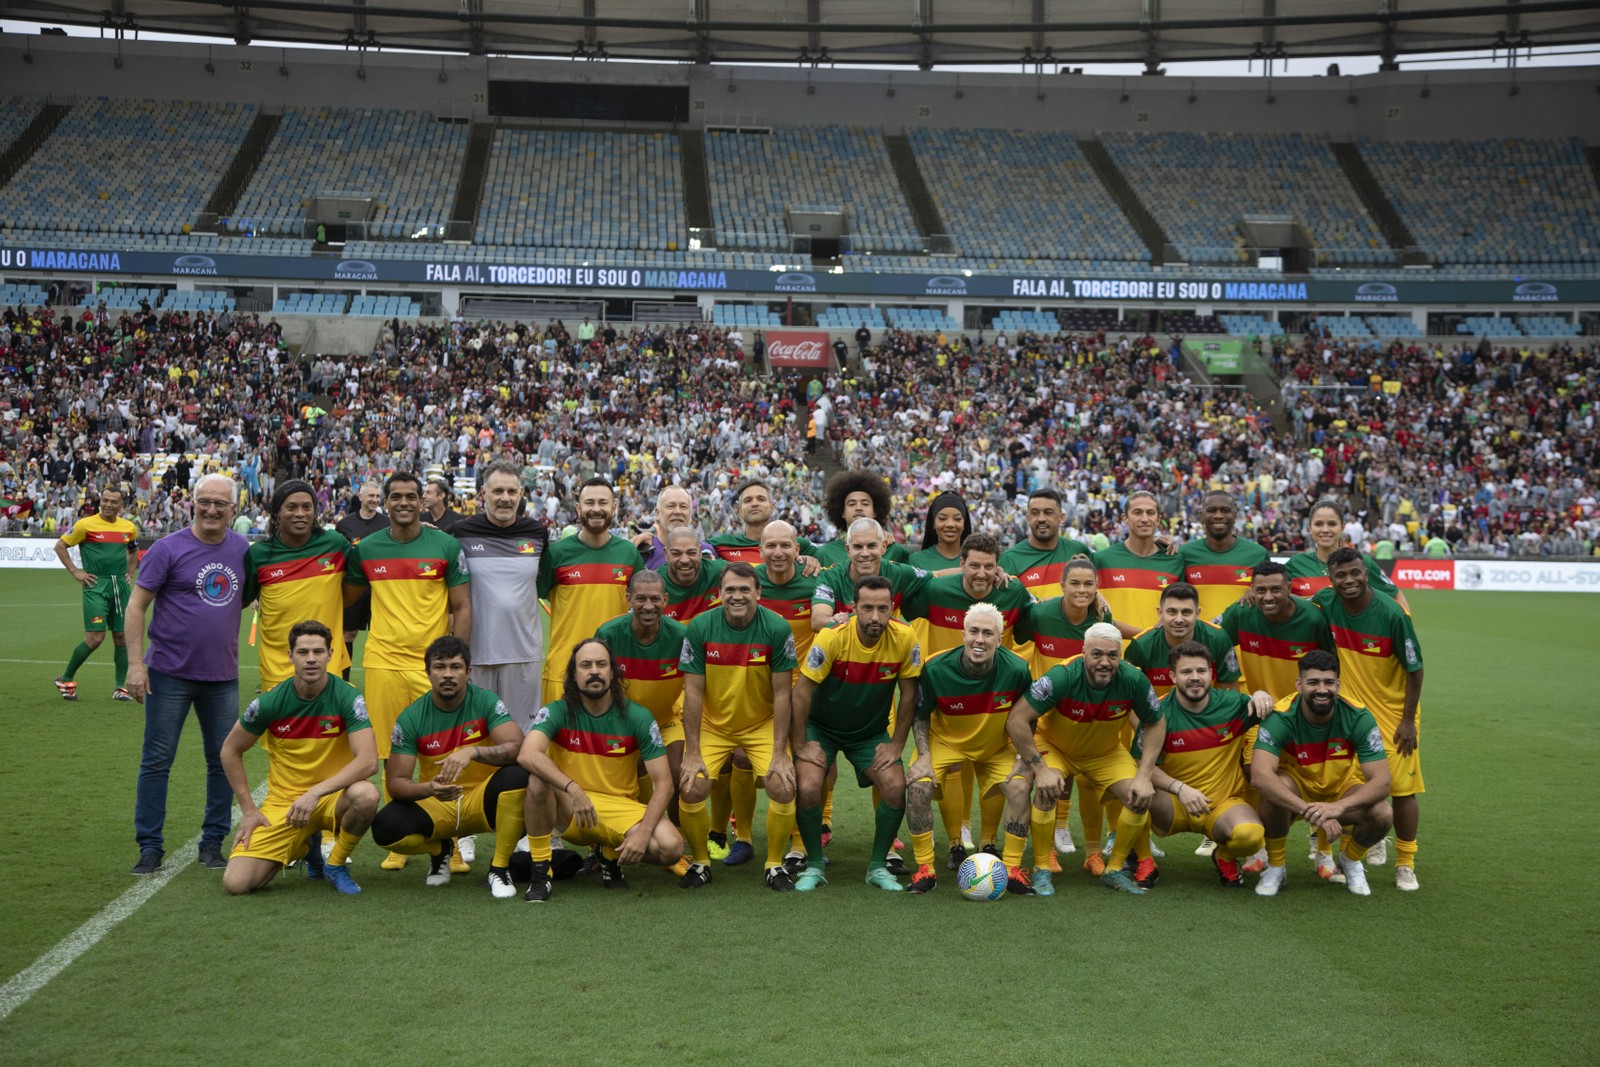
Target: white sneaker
{"x":1355,"y":875}
{"x":439,"y":868}
{"x":1207,"y":847}
{"x":1272,"y":880}
{"x":966,"y":838}
{"x":1256,"y":863}
{"x":1313,"y":850}
{"x":1111,"y":843}
{"x":1328,"y":870}
{"x":1064,"y":843}
{"x":1378,"y":854}
{"x":501,"y":885}
{"x":1405,"y":878}
{"x":468,"y":847}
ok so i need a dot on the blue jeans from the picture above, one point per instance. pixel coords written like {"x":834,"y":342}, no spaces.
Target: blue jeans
{"x":166,"y":706}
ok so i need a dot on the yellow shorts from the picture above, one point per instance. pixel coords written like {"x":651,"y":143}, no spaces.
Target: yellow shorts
{"x":615,"y":815}
{"x":1184,"y":823}
{"x":387,"y":693}
{"x":462,"y":817}
{"x":992,"y":769}
{"x":1405,"y":772}
{"x":554,"y":688}
{"x":716,"y":748}
{"x":282,"y":843}
{"x":1100,"y":772}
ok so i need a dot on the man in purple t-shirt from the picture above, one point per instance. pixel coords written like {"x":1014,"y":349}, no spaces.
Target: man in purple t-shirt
{"x":195,"y":580}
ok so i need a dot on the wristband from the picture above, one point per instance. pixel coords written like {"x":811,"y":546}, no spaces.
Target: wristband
{"x":570,"y":783}
{"x":1177,"y":788}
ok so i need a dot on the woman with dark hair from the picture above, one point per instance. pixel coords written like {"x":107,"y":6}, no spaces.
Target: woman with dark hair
{"x":945,"y":525}
{"x":852,"y":495}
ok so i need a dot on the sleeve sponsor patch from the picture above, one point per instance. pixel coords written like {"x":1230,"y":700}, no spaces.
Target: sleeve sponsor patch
{"x":1375,"y":740}
{"x":1151,"y":698}
{"x":686,"y":655}
{"x":655,"y":735}
{"x":542,"y":715}
{"x":500,"y":708}
{"x":1043,"y":691}
{"x":916,"y":655}
{"x":816,"y":658}
{"x":789,"y":650}
{"x":359,"y":709}
{"x":397,"y":736}
{"x":252,"y":712}
{"x":1411,"y":652}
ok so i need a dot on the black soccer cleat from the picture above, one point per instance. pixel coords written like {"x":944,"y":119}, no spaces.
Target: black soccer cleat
{"x":539,"y":889}
{"x":611,"y":876}
{"x":958,"y":855}
{"x":698,"y":875}
{"x":924,"y":881}
{"x":778,"y":880}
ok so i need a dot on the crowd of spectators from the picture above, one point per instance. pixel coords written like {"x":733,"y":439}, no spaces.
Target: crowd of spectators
{"x":1492,"y":449}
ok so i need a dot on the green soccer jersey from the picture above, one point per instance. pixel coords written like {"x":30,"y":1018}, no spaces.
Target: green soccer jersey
{"x":944,"y":603}
{"x":1269,"y":652}
{"x":856,"y":683}
{"x":102,"y":546}
{"x":1082,"y":722}
{"x":1219,"y":576}
{"x":1151,"y":654}
{"x":308,"y":741}
{"x":1377,"y":649}
{"x":834,"y":553}
{"x":1308,"y":575}
{"x":684,"y":602}
{"x":1041,"y":570}
{"x":837,"y":589}
{"x":431,"y":733}
{"x":1322,"y":759}
{"x":1132,"y":583}
{"x":792,"y":602}
{"x":968,"y":711}
{"x":737,"y":548}
{"x":651,"y":671}
{"x":1056,"y":638}
{"x":601,"y":752}
{"x":738,"y":664}
{"x":410,"y":582}
{"x":932,"y":560}
{"x":1202,"y":748}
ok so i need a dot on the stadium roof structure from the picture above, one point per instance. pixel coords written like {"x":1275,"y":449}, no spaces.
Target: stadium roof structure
{"x":913,"y":33}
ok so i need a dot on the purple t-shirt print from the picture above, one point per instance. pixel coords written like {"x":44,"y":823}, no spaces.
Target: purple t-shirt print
{"x":199,"y":591}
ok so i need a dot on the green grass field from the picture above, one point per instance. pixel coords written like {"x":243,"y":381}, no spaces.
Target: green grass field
{"x":1492,"y":962}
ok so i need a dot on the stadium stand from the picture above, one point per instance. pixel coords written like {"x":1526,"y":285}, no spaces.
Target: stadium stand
{"x":850,"y":317}
{"x":311,"y":304}
{"x":16,"y":112}
{"x":747,"y":316}
{"x":921,"y":320}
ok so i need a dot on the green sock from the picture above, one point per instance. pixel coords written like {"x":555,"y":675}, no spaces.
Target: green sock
{"x":79,"y":654}
{"x":809,"y":822}
{"x":120,"y":653}
{"x":885,"y":825}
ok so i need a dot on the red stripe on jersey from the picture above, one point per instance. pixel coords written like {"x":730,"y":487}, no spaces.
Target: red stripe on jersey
{"x":1273,"y":647}
{"x":1133,"y":578}
{"x":1365,"y":644}
{"x":978,"y":703}
{"x":1048,"y":574}
{"x":790,"y":609}
{"x":593,"y":744}
{"x":1161,"y":677}
{"x":593,"y":574}
{"x":685,"y":610}
{"x":869,"y":672}
{"x":426,"y":570}
{"x":648,"y":670}
{"x":1217,"y":574}
{"x":308,"y":726}
{"x":1058,"y":647}
{"x":750,"y":554}
{"x":445,"y":742}
{"x":1309,"y":587}
{"x":726,"y":654}
{"x":946,"y":618}
{"x":295,"y":570}
{"x":1312,"y":753}
{"x":1083,"y":711}
{"x":108,"y":537}
{"x":1205,"y":737}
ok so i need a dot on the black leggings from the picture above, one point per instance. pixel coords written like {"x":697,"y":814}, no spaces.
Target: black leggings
{"x":402,"y":818}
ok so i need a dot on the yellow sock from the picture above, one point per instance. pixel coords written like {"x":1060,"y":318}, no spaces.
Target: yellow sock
{"x":609,"y":853}
{"x":1322,"y":842}
{"x":1043,"y":826}
{"x":1245,"y":841}
{"x":539,"y":848}
{"x":1111,"y":809}
{"x":344,"y":844}
{"x":508,"y":825}
{"x":1064,"y":810}
{"x":922,"y":848}
{"x":1277,"y":851}
{"x":968,"y":779}
{"x":1133,"y":834}
{"x":695,"y":825}
{"x":743,"y":791}
{"x":950,"y":811}
{"x":796,"y":844}
{"x":780,"y":825}
{"x":1011,"y":850}
{"x":827,"y":805}
{"x":1354,"y":851}
{"x":415,"y":845}
{"x":1092,"y":812}
{"x":991,"y":809}
{"x":1405,"y":853}
{"x":721,"y":803}
{"x":647,"y":788}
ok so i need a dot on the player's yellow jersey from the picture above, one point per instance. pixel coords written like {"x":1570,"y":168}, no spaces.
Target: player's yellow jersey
{"x":292,"y":585}
{"x":102,"y":546}
{"x":601,"y":752}
{"x":1085,"y":723}
{"x":586,"y":587}
{"x":430,"y":733}
{"x":738,"y":664}
{"x":1203,"y":747}
{"x":410,"y":583}
{"x":1377,"y":649}
{"x":968,"y":713}
{"x":308,"y":741}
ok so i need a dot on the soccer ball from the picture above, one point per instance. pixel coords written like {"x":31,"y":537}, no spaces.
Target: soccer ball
{"x":981,"y":877}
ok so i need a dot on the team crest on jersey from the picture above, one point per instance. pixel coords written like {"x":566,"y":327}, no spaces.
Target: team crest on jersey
{"x":1336,"y":747}
{"x":1161,"y":582}
{"x":1370,"y":646}
{"x":655,"y":736}
{"x":1225,"y":733}
{"x":885,"y":673}
{"x":98,"y":619}
{"x":427,"y":570}
{"x":1298,"y":650}
{"x":359,"y":710}
{"x":325,"y":563}
{"x":616,"y":747}
{"x":816,"y":658}
{"x":525,"y":546}
{"x":541,"y":716}
{"x":1242,"y":574}
{"x":1375,"y":739}
{"x":1043,"y":691}
{"x":251,"y":713}
{"x":397,"y":736}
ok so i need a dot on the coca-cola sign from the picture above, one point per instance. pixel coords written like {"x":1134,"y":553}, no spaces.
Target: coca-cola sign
{"x":799,"y":348}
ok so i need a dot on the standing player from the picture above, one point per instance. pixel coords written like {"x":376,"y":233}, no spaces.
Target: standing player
{"x":1199,"y":781}
{"x":1078,"y":710}
{"x":1322,"y":760}
{"x":504,"y":549}
{"x":842,"y":701}
{"x":462,"y":747}
{"x":963,"y":700}
{"x":107,"y":544}
{"x":418,"y":580}
{"x":320,"y":753}
{"x":946,"y":526}
{"x":784,"y":589}
{"x":852,"y":495}
{"x":836,"y":587}
{"x":1219,"y":564}
{"x":1308,"y":570}
{"x":1135,"y":571}
{"x":436,"y":509}
{"x":296,"y":574}
{"x":738,"y":658}
{"x":1180,"y":621}
{"x":367,"y":519}
{"x":585,"y":578}
{"x":1040,"y":561}
{"x":1381,"y":665}
{"x":674,"y":508}
{"x":581,"y":757}
{"x":753,"y":504}
{"x":692,"y":581}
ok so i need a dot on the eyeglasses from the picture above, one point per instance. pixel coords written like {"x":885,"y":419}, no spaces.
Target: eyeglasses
{"x":213,"y":505}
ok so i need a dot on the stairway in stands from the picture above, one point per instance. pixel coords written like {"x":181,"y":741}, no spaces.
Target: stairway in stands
{"x":696,"y":186}
{"x":23,"y":148}
{"x":1144,"y":223}
{"x":252,"y":150}
{"x":1366,"y":185}
{"x":469,"y":185}
{"x":915,"y":190}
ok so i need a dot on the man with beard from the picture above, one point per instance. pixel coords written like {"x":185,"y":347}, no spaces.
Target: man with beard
{"x":692,"y":581}
{"x":852,"y":495}
{"x":294,"y":575}
{"x":585,"y":579}
{"x":1219,"y":564}
{"x":1322,"y":759}
{"x":1040,"y":561}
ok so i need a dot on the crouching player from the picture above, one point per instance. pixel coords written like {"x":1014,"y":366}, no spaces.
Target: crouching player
{"x":320,"y":751}
{"x":1321,"y":759}
{"x":1199,"y":780}
{"x":582,"y":755}
{"x":469,"y":781}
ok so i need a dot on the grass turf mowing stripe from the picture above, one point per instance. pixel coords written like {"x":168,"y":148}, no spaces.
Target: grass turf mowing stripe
{"x":25,"y":983}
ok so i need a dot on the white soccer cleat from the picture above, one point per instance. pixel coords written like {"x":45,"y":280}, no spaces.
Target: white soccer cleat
{"x":522,"y":844}
{"x":1272,"y":880}
{"x":1378,"y":854}
{"x":468,"y":847}
{"x":1311,"y":854}
{"x":1064,"y":843}
{"x":500,"y":884}
{"x":1328,"y":870}
{"x":966,"y":838}
{"x":1355,"y":875}
{"x":1110,"y":843}
{"x":1255,"y":863}
{"x":1405,"y":878}
{"x":1207,"y":847}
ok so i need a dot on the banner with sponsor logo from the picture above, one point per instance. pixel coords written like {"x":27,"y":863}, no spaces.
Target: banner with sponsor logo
{"x":32,"y":553}
{"x":239,"y":263}
{"x":1217,"y":357}
{"x":805,"y":349}
{"x":1424,"y":573}
{"x":1533,"y":576}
